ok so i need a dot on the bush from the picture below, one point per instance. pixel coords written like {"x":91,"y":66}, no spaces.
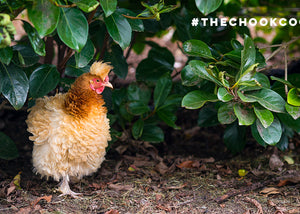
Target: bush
{"x":65,"y":37}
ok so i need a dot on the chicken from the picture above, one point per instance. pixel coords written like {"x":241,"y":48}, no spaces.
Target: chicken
{"x":71,"y":131}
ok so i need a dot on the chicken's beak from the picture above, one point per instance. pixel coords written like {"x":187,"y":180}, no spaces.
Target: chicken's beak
{"x":108,"y":84}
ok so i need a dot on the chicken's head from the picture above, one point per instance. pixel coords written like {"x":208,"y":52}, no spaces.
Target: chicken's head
{"x":98,"y":85}
{"x":101,"y":80}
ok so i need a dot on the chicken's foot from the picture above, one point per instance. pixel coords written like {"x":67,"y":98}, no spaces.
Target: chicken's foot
{"x":65,"y":188}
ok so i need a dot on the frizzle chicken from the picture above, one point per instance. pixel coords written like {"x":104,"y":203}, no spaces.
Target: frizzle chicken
{"x":70,"y":131}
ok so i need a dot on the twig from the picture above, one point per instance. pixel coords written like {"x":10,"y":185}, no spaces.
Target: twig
{"x":131,"y":45}
{"x":285,"y":70}
{"x":102,"y":52}
{"x":256,"y":203}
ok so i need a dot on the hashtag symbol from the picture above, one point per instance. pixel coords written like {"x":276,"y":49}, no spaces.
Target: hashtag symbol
{"x":195,"y":22}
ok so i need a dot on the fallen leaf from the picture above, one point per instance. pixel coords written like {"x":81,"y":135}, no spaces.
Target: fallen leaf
{"x":162,"y":168}
{"x":132,"y":168}
{"x":119,"y":187}
{"x":10,"y":189}
{"x":163,"y":208}
{"x":95,"y":185}
{"x":177,"y":187}
{"x":208,"y":160}
{"x":289,"y":159}
{"x":24,"y":210}
{"x":48,"y":198}
{"x":270,"y":191}
{"x":189,"y":164}
{"x":256,"y":203}
{"x":17,"y":180}
{"x":112,"y":212}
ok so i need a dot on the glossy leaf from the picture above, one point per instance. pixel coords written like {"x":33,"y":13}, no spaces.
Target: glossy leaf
{"x":138,"y":108}
{"x":139,"y":93}
{"x":200,"y":69}
{"x":290,"y":122}
{"x":72,"y":28}
{"x":226,"y":113}
{"x":36,"y":42}
{"x":224,"y":95}
{"x":118,"y":61}
{"x":257,"y":136}
{"x":264,"y":115}
{"x":272,"y":134}
{"x":108,"y":6}
{"x":235,"y":137}
{"x":150,"y":70}
{"x":169,"y":117}
{"x":208,"y":116}
{"x":136,"y":24}
{"x":44,"y":16}
{"x":294,"y":111}
{"x":86,"y":5}
{"x":24,"y":56}
{"x":162,"y":56}
{"x":86,"y":55}
{"x":43,"y":80}
{"x":247,"y":57}
{"x":14,"y":85}
{"x":244,"y":114}
{"x":268,"y":99}
{"x":119,"y":29}
{"x":162,"y":89}
{"x":6,"y":55}
{"x":197,"y":48}
{"x":8,"y":149}
{"x":196,"y":99}
{"x":152,"y":134}
{"x":137,"y":129}
{"x":293,"y":97}
{"x":188,"y":77}
{"x":207,"y":7}
{"x":73,"y":71}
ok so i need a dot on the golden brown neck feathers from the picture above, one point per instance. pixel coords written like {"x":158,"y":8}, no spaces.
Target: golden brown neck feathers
{"x":80,"y":99}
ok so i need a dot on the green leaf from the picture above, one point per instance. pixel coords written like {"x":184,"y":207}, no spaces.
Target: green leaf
{"x":118,"y":61}
{"x":44,"y":16}
{"x":264,"y":115}
{"x":293,"y":97}
{"x":247,"y":58}
{"x":14,"y":85}
{"x":290,"y":122}
{"x":208,"y":116}
{"x":224,"y":95}
{"x":43,"y":80}
{"x":73,"y":71}
{"x":162,"y":89}
{"x":207,"y":7}
{"x":124,"y":112}
{"x":244,"y":114}
{"x":257,"y":82}
{"x":234,"y":55}
{"x":6,"y":55}
{"x":108,"y":6}
{"x":37,"y":43}
{"x":235,"y":137}
{"x":257,"y":136}
{"x":136,"y":24}
{"x":188,"y":77}
{"x":200,"y":69}
{"x":282,"y":81}
{"x":294,"y":111}
{"x":24,"y":56}
{"x":119,"y":29}
{"x":226,"y":113}
{"x":195,"y":47}
{"x":150,"y":70}
{"x":139,"y":93}
{"x":86,"y":55}
{"x":272,"y":134}
{"x":72,"y":28}
{"x":152,"y":134}
{"x":137,"y":129}
{"x":196,"y":99}
{"x":161,"y":55}
{"x":268,"y":99}
{"x":168,"y":116}
{"x":86,"y":5}
{"x":8,"y":149}
{"x":138,"y":108}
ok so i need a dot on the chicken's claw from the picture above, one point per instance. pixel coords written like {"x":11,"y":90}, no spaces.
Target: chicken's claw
{"x":64,"y":188}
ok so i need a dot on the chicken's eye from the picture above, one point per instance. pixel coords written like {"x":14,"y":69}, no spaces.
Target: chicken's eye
{"x":97,"y":80}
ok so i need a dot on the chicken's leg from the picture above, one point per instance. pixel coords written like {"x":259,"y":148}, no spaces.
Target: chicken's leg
{"x":65,"y":188}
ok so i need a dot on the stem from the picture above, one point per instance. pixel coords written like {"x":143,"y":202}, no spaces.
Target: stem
{"x":104,"y":46}
{"x":131,"y":45}
{"x":285,"y":69}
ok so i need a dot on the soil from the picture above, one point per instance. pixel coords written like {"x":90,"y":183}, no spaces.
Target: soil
{"x":191,"y":172}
